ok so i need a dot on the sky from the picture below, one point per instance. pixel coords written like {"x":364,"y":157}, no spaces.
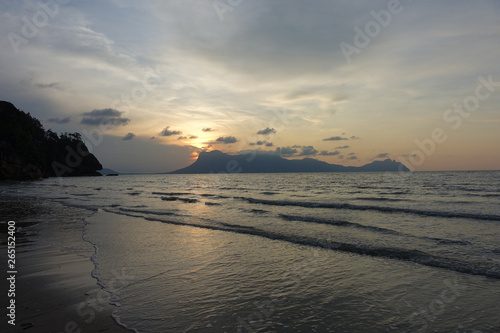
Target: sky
{"x":151,"y":84}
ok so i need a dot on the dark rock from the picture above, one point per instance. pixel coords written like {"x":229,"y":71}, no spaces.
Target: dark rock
{"x":28,"y":151}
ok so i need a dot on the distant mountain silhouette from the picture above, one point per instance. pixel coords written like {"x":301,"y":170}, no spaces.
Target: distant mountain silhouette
{"x":27,"y":151}
{"x":218,"y":162}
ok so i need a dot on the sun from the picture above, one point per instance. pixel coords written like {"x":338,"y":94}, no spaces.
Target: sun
{"x":194,"y":156}
{"x":201,"y":145}
{"x":198,"y":143}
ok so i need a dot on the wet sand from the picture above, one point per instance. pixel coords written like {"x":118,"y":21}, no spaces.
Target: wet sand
{"x":54,"y":290}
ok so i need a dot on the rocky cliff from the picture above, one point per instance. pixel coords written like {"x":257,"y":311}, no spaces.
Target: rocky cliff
{"x":28,"y":151}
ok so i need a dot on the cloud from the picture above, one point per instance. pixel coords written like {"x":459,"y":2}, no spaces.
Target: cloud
{"x":59,"y":120}
{"x":108,"y":117}
{"x":295,"y":50}
{"x":342,"y":147}
{"x":128,"y":137}
{"x":189,"y":137}
{"x":267,"y":131}
{"x":352,"y":157}
{"x":329,"y":153}
{"x":294,"y":151}
{"x":383,"y":155}
{"x":47,"y":85}
{"x":308,"y":151}
{"x":167,"y":132}
{"x":262,"y":143}
{"x":105,"y":121}
{"x":335,"y":138}
{"x":341,"y":138}
{"x":286,"y":151}
{"x":226,"y":140}
{"x":103,"y":113}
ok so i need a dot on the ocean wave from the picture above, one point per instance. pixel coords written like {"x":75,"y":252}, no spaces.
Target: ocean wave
{"x":258,"y":211}
{"x":186,"y":200}
{"x":189,"y":200}
{"x":374,"y":208}
{"x":169,"y":198}
{"x":488,"y":195}
{"x":395,"y":193}
{"x":171,"y":193}
{"x":446,"y":241}
{"x":253,"y":211}
{"x":416,"y":256}
{"x":244,"y":189}
{"x":74,"y":205}
{"x":342,"y":223}
{"x":379,"y":199}
{"x":238,"y":227}
{"x":209,"y":195}
{"x":161,"y":213}
{"x":469,"y":189}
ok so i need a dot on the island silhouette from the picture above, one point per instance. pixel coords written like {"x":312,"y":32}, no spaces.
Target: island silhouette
{"x":216,"y":161}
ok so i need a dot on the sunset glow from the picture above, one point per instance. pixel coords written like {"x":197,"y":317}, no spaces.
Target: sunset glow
{"x":218,"y":83}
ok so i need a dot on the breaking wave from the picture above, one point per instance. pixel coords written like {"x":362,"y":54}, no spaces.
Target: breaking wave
{"x":417,"y":256}
{"x":304,"y":204}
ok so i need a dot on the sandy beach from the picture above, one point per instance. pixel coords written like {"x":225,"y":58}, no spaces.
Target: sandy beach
{"x":54,"y":290}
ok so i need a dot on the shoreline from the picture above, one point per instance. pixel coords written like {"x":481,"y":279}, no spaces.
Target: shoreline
{"x":54,"y":287}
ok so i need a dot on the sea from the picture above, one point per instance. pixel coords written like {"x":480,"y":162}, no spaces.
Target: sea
{"x":294,"y":252}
